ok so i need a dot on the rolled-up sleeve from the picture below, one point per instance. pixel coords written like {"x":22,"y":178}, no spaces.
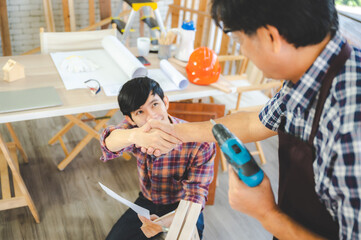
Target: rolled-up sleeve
{"x":106,"y":153}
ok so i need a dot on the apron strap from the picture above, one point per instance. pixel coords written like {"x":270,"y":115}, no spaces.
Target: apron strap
{"x":335,"y":67}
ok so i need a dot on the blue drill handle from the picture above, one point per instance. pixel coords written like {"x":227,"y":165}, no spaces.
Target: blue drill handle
{"x":238,"y":156}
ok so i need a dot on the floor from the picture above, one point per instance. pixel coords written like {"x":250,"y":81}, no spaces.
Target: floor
{"x":72,"y":205}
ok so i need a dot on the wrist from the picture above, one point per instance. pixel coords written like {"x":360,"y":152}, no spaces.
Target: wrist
{"x":132,"y":137}
{"x":270,"y":217}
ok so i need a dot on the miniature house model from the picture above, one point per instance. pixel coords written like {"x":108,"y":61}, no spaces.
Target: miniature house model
{"x":13,"y":71}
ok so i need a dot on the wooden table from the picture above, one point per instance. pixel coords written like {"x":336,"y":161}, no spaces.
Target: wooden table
{"x":40,"y":71}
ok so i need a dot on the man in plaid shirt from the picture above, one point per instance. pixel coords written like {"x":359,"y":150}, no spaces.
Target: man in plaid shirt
{"x":183,"y":173}
{"x":317,"y":116}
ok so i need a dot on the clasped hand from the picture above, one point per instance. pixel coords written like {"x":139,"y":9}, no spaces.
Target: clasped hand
{"x":156,"y":138}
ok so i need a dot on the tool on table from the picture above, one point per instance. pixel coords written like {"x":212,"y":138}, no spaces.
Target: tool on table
{"x":237,"y":155}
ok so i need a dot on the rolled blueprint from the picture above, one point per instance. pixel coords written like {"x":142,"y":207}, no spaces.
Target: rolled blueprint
{"x":131,"y":66}
{"x":177,"y":78}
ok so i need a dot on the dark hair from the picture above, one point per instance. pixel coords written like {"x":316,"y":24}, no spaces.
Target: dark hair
{"x":135,"y":92}
{"x":300,"y":22}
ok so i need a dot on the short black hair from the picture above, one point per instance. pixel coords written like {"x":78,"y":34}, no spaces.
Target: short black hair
{"x":135,"y":92}
{"x":300,"y":22}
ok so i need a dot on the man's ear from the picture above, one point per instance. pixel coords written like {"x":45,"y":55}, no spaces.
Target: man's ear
{"x":271,"y":38}
{"x":166,"y":102}
{"x":130,"y":120}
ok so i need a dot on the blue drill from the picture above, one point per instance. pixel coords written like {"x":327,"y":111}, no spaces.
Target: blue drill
{"x":238,"y":156}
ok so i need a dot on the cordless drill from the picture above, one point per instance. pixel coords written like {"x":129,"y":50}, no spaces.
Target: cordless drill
{"x":238,"y":156}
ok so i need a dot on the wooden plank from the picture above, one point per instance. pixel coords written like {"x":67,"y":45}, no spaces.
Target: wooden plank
{"x":200,"y":24}
{"x":12,"y":203}
{"x":49,"y":17}
{"x":64,"y":130}
{"x":178,"y":220}
{"x":91,"y":12}
{"x":4,"y":174}
{"x":175,"y":15}
{"x":190,"y":221}
{"x":72,"y":15}
{"x":105,"y":8}
{"x":69,"y":15}
{"x":17,"y":142}
{"x":75,"y":152}
{"x":66,"y":16}
{"x":14,"y":157}
{"x":19,"y":180}
{"x":4,"y":27}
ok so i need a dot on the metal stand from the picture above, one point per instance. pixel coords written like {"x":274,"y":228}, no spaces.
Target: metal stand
{"x":136,"y":5}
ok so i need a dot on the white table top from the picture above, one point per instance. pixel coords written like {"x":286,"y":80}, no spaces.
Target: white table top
{"x":40,"y":71}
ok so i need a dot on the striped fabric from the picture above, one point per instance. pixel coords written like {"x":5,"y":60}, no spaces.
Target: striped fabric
{"x":183,"y":173}
{"x":337,"y":166}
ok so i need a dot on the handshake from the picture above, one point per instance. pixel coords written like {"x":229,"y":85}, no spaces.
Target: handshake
{"x":156,"y":137}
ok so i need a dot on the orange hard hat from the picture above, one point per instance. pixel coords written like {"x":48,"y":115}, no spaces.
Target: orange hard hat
{"x":203,"y":67}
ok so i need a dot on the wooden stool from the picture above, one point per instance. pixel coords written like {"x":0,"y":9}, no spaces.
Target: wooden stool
{"x":20,"y":196}
{"x":93,"y":132}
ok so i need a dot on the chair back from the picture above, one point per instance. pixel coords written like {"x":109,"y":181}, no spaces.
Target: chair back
{"x":195,"y":112}
{"x":73,"y":41}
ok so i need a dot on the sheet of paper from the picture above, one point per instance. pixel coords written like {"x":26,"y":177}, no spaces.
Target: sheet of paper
{"x":173,"y":74}
{"x":112,"y":89}
{"x":108,"y":72}
{"x":165,"y":83}
{"x":111,"y":66}
{"x":138,"y":209}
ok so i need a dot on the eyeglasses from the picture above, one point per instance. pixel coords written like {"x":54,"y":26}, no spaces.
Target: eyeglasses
{"x":230,"y":33}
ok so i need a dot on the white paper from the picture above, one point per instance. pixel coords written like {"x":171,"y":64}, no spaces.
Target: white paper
{"x":123,"y":57}
{"x":173,"y":74}
{"x":169,"y":78}
{"x":117,"y":65}
{"x":165,"y":83}
{"x":138,"y":209}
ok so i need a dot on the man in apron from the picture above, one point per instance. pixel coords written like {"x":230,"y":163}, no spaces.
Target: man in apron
{"x":317,"y":116}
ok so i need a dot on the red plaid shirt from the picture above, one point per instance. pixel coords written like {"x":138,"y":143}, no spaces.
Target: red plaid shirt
{"x":183,"y":173}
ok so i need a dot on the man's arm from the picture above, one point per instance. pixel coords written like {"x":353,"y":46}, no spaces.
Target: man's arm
{"x":245,"y":125}
{"x":121,"y":138}
{"x":259,"y":203}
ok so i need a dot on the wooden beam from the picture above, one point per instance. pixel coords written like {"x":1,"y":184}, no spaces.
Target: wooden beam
{"x":105,"y":8}
{"x":49,"y":17}
{"x":91,"y":12}
{"x":4,"y":27}
{"x":66,"y":16}
{"x":69,"y":15}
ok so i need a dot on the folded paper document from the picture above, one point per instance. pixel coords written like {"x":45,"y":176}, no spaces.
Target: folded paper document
{"x":138,"y":209}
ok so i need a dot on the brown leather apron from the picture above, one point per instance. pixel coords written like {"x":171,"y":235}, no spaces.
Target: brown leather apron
{"x":297,"y":197}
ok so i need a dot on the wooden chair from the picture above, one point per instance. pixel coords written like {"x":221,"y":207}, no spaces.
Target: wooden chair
{"x":71,"y":41}
{"x":195,"y":112}
{"x":14,"y":193}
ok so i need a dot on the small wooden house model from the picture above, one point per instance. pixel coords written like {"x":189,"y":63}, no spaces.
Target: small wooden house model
{"x":13,"y":71}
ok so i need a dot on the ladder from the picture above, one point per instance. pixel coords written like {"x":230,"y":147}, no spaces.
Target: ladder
{"x":136,"y":6}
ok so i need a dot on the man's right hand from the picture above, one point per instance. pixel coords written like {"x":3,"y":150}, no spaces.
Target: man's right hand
{"x":166,"y":128}
{"x":161,"y":125}
{"x":154,"y":141}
